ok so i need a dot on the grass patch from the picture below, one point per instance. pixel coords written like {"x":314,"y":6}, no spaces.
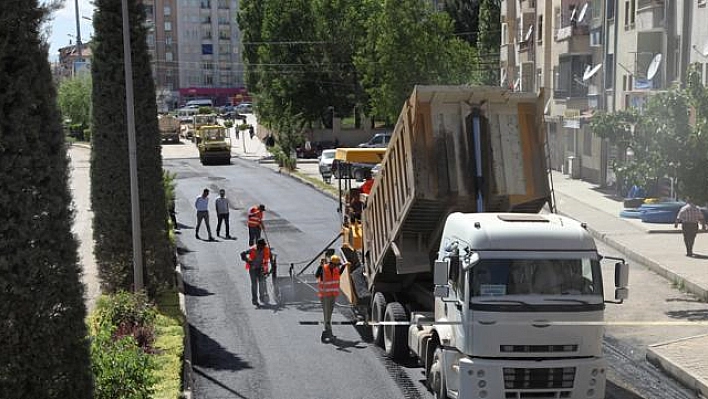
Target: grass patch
{"x":169,"y":341}
{"x":318,"y":183}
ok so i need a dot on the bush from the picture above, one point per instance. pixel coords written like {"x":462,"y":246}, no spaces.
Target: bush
{"x":228,"y":124}
{"x":120,"y":368}
{"x":122,"y":328}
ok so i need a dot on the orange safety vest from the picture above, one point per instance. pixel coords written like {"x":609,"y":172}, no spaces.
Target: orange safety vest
{"x":328,"y":284}
{"x":264,"y":262}
{"x":255,"y":217}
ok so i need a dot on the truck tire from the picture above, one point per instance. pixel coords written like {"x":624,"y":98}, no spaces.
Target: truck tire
{"x":378,"y":310}
{"x":436,"y":376}
{"x":396,"y":336}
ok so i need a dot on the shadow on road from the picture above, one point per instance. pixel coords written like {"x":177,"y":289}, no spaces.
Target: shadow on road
{"x":217,"y":382}
{"x":691,"y":315}
{"x":192,"y":290}
{"x":209,"y":354}
{"x":344,"y":345}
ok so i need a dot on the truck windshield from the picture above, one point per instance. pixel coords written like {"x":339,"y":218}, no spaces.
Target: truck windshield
{"x":496,"y":277}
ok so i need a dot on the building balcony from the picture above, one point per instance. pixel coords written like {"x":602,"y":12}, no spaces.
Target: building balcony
{"x":568,"y":81}
{"x":650,"y":15}
{"x":573,"y":39}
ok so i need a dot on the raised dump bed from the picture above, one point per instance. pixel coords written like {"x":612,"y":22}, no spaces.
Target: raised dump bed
{"x":429,"y":171}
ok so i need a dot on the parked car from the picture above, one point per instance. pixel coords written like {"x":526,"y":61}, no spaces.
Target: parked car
{"x":325,"y":162}
{"x":245,"y":108}
{"x":233,"y":115}
{"x":380,"y":140}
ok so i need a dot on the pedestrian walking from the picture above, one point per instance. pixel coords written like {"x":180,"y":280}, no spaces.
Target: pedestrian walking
{"x":173,"y":214}
{"x":222,"y":206}
{"x":255,"y":223}
{"x":328,"y":289}
{"x":689,"y":216}
{"x":202,"y":205}
{"x":257,"y":263}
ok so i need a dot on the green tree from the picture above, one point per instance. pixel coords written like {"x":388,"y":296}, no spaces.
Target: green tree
{"x":408,"y":43}
{"x":75,"y":99}
{"x":465,"y":14}
{"x":110,"y":177}
{"x":43,"y":345}
{"x":489,"y":40}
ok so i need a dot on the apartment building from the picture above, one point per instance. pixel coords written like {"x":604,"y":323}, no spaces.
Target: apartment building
{"x":590,"y":55}
{"x":196,"y":50}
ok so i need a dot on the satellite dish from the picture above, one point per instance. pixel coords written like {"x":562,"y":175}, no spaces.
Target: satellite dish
{"x":517,"y":84}
{"x":528,"y":34}
{"x":572,"y":15}
{"x":590,"y":72}
{"x":547,"y":108}
{"x":582,"y":12}
{"x":654,"y":66}
{"x":503,"y":77}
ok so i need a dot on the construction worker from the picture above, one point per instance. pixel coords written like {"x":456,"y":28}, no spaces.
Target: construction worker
{"x":328,"y":289}
{"x":257,"y":263}
{"x":255,"y":223}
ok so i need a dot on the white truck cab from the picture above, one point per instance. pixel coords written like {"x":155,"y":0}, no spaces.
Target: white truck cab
{"x":518,"y":311}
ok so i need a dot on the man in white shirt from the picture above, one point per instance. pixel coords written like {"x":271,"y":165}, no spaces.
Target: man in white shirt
{"x":202,"y":205}
{"x":222,"y":213}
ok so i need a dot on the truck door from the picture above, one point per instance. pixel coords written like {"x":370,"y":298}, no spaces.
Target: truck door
{"x":459,"y":289}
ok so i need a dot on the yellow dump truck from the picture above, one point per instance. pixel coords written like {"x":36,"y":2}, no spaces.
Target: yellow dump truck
{"x":214,"y":144}
{"x":459,"y":268}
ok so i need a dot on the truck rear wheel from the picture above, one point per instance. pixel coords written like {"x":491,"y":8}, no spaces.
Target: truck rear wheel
{"x":378,"y":310}
{"x":396,"y":335}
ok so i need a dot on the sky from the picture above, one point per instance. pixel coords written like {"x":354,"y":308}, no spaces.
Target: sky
{"x":63,"y":24}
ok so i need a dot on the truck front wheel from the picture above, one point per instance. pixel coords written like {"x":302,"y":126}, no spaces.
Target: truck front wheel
{"x":436,"y":376}
{"x":378,"y":309}
{"x":396,"y":335}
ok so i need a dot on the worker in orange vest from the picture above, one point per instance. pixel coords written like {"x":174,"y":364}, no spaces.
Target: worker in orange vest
{"x":328,"y":289}
{"x":257,"y":263}
{"x":255,"y":223}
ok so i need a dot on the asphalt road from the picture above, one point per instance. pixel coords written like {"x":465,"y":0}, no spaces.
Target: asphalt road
{"x":243,"y":352}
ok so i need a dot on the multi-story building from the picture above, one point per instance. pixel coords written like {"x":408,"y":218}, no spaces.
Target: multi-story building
{"x":592,"y":55}
{"x":70,"y":62}
{"x":195,"y":45}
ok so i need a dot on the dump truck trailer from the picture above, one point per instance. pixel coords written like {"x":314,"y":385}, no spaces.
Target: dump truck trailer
{"x":455,"y":253}
{"x":169,"y":128}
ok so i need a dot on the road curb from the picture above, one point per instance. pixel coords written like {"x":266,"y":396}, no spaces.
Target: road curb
{"x":666,"y":364}
{"x":187,"y":372}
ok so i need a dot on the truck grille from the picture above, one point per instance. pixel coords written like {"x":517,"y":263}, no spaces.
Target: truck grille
{"x":539,"y":378}
{"x":537,"y":348}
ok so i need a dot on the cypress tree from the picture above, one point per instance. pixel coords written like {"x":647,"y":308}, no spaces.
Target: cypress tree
{"x":44,"y":352}
{"x":110,"y":175}
{"x":489,"y":41}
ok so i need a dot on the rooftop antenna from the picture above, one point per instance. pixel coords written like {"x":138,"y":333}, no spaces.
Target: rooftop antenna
{"x":590,"y":72}
{"x":653,"y":66}
{"x":583,"y":11}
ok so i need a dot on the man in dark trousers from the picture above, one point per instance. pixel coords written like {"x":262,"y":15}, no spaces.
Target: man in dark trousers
{"x":689,"y":216}
{"x":202,"y":205}
{"x":222,"y":213}
{"x":257,"y":263}
{"x":255,"y":223}
{"x":328,"y":289}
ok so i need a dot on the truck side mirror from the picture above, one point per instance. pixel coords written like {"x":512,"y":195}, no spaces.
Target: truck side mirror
{"x":440,"y":273}
{"x":621,"y":275}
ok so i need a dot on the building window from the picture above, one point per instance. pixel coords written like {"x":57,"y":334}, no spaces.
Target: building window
{"x":702,"y":3}
{"x":168,"y":26}
{"x":569,"y":76}
{"x":168,"y":11}
{"x":609,"y":71}
{"x":504,"y":32}
{"x":596,"y":37}
{"x":540,"y":29}
{"x":587,"y":143}
{"x":610,"y":11}
{"x":168,"y":57}
{"x":207,"y":49}
{"x":205,"y":4}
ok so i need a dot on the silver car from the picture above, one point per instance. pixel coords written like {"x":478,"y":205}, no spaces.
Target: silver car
{"x":325,"y":163}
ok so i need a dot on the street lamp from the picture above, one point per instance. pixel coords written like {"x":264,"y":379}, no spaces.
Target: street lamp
{"x":78,"y":31}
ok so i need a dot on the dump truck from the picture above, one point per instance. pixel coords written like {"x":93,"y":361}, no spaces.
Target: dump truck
{"x":169,"y":128}
{"x":459,"y":267}
{"x":214,"y":144}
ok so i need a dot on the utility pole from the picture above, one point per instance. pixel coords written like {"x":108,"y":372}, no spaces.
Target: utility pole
{"x":78,"y":32}
{"x":130,"y":121}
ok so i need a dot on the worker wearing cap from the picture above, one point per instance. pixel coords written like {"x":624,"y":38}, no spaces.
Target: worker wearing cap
{"x":328,"y":289}
{"x":257,"y":266}
{"x":255,"y":223}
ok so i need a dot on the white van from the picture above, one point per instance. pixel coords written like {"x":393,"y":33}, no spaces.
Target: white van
{"x":203,"y":102}
{"x":186,"y":113}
